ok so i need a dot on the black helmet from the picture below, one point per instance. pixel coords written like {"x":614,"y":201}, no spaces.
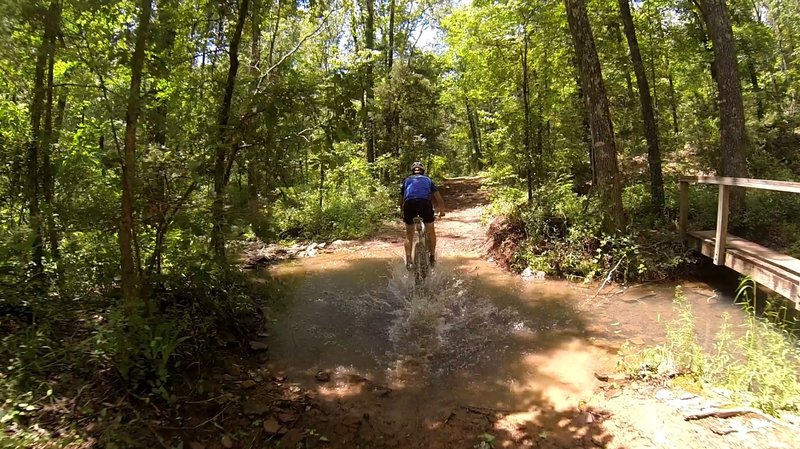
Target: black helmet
{"x":417,"y":165}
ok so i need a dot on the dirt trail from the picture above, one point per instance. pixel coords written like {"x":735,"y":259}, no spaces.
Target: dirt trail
{"x":477,"y":358}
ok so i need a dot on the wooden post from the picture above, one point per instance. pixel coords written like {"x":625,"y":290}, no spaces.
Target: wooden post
{"x":683,"y":199}
{"x":722,"y":225}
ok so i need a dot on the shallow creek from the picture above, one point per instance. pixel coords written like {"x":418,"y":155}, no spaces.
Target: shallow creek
{"x":472,"y":335}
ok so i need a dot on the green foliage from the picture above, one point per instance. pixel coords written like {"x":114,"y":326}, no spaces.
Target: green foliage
{"x":759,"y":368}
{"x":351,"y":205}
{"x":768,"y":356}
{"x":142,"y":351}
{"x":92,"y":345}
{"x":28,"y":356}
{"x":487,"y":441}
{"x":90,"y":260}
{"x":686,"y":353}
{"x":504,"y":194}
{"x":564,"y":236}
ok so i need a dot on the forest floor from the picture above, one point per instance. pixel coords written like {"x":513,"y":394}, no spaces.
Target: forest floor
{"x":355,"y":356}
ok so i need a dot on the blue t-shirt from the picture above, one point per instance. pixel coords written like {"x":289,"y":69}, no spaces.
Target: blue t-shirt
{"x":418,"y":187}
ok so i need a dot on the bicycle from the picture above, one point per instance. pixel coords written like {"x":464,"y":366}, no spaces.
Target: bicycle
{"x":422,"y":265}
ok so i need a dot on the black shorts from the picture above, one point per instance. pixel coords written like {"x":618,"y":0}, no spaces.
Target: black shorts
{"x":417,"y":208}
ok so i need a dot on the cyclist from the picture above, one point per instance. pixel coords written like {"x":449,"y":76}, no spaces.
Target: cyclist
{"x":415,"y":200}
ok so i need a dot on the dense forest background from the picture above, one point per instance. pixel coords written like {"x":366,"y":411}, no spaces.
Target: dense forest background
{"x":139,"y":137}
{"x":144,"y":142}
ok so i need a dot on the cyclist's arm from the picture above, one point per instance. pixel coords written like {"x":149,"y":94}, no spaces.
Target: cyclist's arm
{"x":437,"y":197}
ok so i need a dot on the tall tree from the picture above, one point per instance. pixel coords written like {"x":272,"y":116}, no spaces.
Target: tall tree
{"x":391,"y":115}
{"x":673,"y":101}
{"x":36,"y":142}
{"x":475,"y":157}
{"x":594,"y":93}
{"x":52,"y":22}
{"x":733,"y":136}
{"x":224,"y":161}
{"x":390,"y":50}
{"x":650,"y":126}
{"x":369,"y":83}
{"x":526,"y":109}
{"x":126,"y":229}
{"x":255,"y":62}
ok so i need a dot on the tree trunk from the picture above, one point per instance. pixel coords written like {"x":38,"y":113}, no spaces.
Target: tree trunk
{"x":479,"y":137}
{"x":390,"y":50}
{"x":733,"y":136}
{"x":540,"y":134}
{"x":786,"y":50}
{"x":605,"y":154}
{"x":650,"y":126}
{"x":526,"y":105}
{"x":475,"y":159}
{"x":623,"y":63}
{"x":751,"y":69}
{"x":48,"y":177}
{"x":130,"y":280}
{"x":369,"y":83}
{"x":391,"y":115}
{"x":274,"y":33}
{"x":34,"y":149}
{"x":544,"y":94}
{"x":50,"y":187}
{"x":586,"y":133}
{"x":255,"y":61}
{"x":162,"y":39}
{"x":653,"y":68}
{"x":221,"y":162}
{"x":673,"y":100}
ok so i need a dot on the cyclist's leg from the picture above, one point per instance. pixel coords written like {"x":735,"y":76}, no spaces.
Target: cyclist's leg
{"x":410,"y":230}
{"x":409,"y":212}
{"x":430,"y":230}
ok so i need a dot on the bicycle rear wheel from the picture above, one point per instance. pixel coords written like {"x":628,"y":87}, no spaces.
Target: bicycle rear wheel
{"x":421,"y":261}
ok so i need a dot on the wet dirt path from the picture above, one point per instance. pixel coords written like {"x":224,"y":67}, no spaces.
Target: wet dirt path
{"x":476,"y":354}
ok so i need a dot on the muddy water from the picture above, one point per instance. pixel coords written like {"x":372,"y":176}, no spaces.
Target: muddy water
{"x":473,"y":335}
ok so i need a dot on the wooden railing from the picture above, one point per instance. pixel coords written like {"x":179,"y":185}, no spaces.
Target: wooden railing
{"x":725,"y":185}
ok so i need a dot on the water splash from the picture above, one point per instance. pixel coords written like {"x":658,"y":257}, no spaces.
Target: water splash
{"x":442,"y":325}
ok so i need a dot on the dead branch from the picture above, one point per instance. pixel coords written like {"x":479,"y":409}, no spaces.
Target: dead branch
{"x":294,"y":50}
{"x":209,"y":420}
{"x":608,"y":277}
{"x":155,"y":434}
{"x":484,"y":410}
{"x":731,"y":412}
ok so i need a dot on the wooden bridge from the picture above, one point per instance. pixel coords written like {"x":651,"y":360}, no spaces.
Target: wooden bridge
{"x":771,"y":269}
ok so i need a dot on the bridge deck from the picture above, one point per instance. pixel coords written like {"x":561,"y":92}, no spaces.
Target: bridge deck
{"x":773,"y":270}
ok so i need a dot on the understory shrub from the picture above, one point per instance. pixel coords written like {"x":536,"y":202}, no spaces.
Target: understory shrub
{"x":98,"y":338}
{"x":141,"y":350}
{"x":341,"y":216}
{"x":349,"y":205}
{"x":563,"y":237}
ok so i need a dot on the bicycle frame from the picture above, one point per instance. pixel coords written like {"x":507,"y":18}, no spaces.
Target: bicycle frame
{"x":421,"y":251}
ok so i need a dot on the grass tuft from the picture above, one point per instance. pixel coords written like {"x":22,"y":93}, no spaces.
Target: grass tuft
{"x":759,"y":369}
